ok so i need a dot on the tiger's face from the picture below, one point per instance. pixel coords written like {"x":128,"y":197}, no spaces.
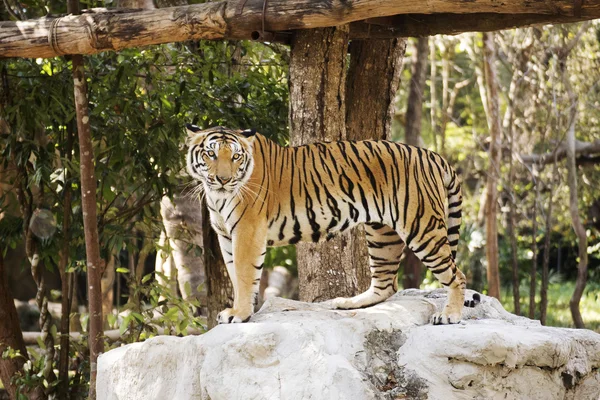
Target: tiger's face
{"x":220,"y":158}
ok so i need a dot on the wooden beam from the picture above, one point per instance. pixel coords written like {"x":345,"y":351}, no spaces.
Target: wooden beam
{"x":110,"y":30}
{"x":420,"y":25}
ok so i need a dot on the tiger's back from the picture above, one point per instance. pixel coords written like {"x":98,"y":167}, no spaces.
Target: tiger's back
{"x":324,"y":188}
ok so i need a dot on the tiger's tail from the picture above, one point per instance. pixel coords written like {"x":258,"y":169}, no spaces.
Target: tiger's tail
{"x":454,"y":218}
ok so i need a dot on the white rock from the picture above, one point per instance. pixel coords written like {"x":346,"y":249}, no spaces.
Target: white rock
{"x":292,"y":350}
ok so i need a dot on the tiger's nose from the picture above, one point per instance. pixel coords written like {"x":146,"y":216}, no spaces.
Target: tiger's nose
{"x":223,"y":180}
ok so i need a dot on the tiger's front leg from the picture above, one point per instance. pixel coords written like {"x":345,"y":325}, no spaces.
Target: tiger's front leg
{"x":244,"y":260}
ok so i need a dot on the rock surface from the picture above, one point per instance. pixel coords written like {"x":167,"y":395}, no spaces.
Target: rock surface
{"x":293,"y":350}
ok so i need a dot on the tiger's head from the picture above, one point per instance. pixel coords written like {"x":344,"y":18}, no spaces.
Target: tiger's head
{"x":220,"y":158}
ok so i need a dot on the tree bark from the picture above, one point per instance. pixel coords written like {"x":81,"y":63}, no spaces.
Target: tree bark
{"x":508,"y":125}
{"x":433,"y":119}
{"x":10,"y":335}
{"x":414,"y":108}
{"x":327,"y":105}
{"x":491,"y":224}
{"x":182,"y":220}
{"x":546,"y":259}
{"x":88,"y":206}
{"x":218,"y":285}
{"x":371,"y":85}
{"x":578,"y":227}
{"x":423,"y":25}
{"x":101,"y":30}
{"x":534,"y":246}
{"x":66,"y":278}
{"x":318,"y":65}
{"x":413,"y":269}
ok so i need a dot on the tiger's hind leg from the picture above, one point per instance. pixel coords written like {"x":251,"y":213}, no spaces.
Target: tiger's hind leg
{"x":385,"y":250}
{"x":435,"y":252}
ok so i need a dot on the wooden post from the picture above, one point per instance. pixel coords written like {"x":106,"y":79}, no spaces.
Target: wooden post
{"x":90,"y":221}
{"x":88,"y":206}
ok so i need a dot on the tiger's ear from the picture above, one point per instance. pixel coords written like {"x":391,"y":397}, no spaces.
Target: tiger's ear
{"x":192,"y":129}
{"x":249,"y":132}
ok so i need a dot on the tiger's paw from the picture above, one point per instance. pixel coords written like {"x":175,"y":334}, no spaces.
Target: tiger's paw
{"x":343,"y":303}
{"x":446,"y":317}
{"x":233,"y":316}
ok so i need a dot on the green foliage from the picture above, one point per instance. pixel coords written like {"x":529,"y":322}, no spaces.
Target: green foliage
{"x":559,"y":294}
{"x":284,"y":256}
{"x":159,"y":308}
{"x":139,"y":101}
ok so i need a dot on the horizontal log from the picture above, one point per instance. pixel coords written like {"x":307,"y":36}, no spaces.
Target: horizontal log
{"x":420,"y":25}
{"x":583,"y":149}
{"x":99,"y":30}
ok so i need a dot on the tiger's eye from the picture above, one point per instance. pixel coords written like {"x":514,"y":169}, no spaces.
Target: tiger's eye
{"x":236,"y":157}
{"x":211,"y":154}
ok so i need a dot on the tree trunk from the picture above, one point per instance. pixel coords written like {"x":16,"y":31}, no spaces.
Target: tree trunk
{"x":65,"y":277}
{"x":414,"y":112}
{"x":534,"y":246}
{"x":318,"y":65}
{"x":88,"y":206}
{"x":433,"y":119}
{"x":182,"y":219}
{"x":446,"y":50}
{"x":326,"y":105}
{"x":546,"y":260}
{"x":218,"y":285}
{"x":107,"y":282}
{"x":508,"y":125}
{"x":493,"y":117}
{"x":578,"y":227}
{"x":371,"y":85}
{"x":10,"y":335}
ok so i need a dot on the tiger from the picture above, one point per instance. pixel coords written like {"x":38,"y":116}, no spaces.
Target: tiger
{"x":261,"y":194}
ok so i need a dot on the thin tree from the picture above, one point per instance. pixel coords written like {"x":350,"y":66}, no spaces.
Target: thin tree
{"x":509,"y":130}
{"x":65,"y":277}
{"x":412,"y":135}
{"x":433,"y":118}
{"x":578,"y":227}
{"x":493,"y":117}
{"x":88,"y":206}
{"x":11,"y":337}
{"x":534,"y":246}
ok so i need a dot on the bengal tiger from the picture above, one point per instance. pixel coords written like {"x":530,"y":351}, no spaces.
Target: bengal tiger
{"x":261,"y":194}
